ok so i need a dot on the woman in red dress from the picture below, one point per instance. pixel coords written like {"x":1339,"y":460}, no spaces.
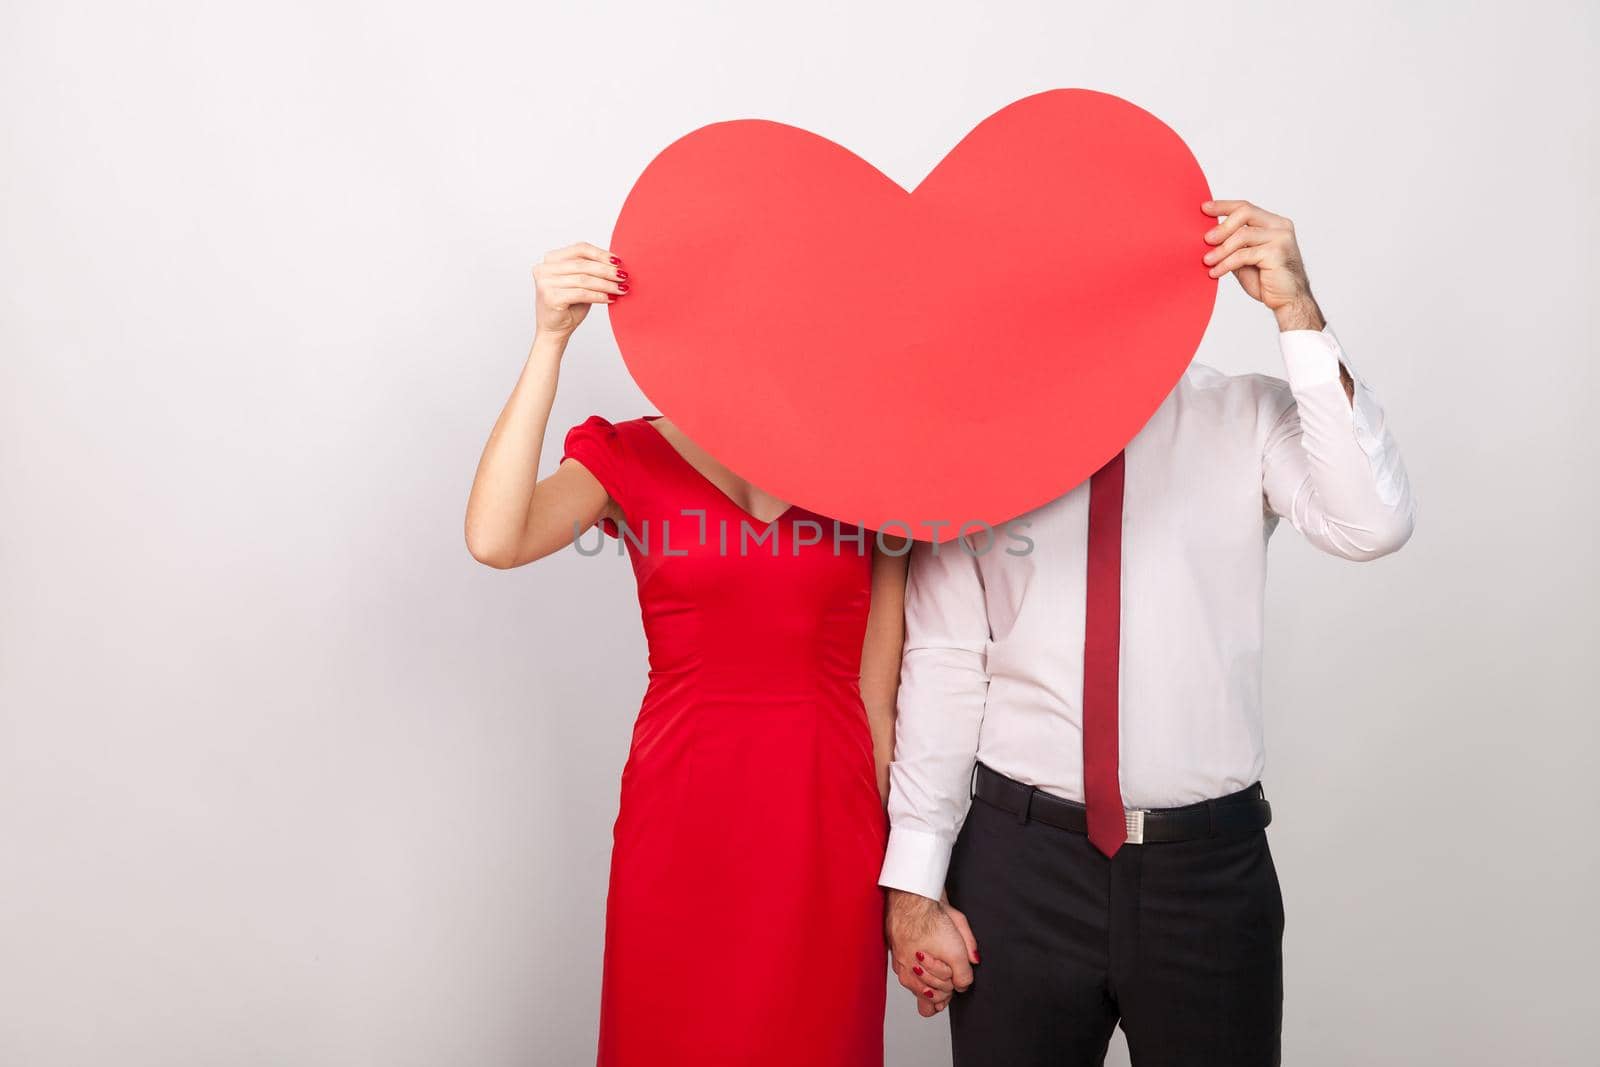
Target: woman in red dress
{"x":744,"y":921}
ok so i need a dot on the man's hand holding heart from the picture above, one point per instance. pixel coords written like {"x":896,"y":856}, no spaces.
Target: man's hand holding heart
{"x":1259,"y":249}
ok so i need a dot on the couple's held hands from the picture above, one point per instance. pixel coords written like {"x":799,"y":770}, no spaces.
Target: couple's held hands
{"x":931,"y":948}
{"x":568,"y":281}
{"x":1259,"y":249}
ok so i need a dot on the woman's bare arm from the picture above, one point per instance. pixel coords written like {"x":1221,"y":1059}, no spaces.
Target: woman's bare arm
{"x":513,"y":517}
{"x":880,"y":653}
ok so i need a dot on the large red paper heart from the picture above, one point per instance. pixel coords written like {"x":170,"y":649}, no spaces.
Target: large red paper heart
{"x":957,"y":354}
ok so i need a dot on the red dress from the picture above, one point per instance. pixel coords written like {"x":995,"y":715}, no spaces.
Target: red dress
{"x":744,"y":922}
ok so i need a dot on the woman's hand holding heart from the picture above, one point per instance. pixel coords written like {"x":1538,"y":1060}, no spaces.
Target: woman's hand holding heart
{"x":569,"y":280}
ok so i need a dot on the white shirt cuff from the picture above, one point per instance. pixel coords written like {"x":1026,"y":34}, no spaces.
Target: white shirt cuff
{"x":916,"y":862}
{"x":1312,"y":357}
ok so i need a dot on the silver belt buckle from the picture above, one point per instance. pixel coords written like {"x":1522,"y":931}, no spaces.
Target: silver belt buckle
{"x":1134,"y":820}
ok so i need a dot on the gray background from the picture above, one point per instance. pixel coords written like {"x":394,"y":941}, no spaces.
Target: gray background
{"x":286,"y":778}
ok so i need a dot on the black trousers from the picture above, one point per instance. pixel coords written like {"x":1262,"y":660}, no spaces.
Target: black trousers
{"x":1180,"y":942}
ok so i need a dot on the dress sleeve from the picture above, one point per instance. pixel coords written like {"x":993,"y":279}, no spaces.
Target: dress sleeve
{"x":598,"y":447}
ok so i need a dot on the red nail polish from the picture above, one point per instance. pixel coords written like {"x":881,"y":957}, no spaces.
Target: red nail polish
{"x":916,"y":970}
{"x":928,"y":993}
{"x":975,"y":958}
{"x":920,"y":957}
{"x":623,"y":286}
{"x":615,"y":262}
{"x":622,"y":275}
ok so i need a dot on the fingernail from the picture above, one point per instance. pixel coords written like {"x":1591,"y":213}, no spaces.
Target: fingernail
{"x":975,"y":958}
{"x":928,"y":993}
{"x":622,"y":274}
{"x":615,"y":262}
{"x":622,"y":286}
{"x":920,"y":957}
{"x":915,"y":969}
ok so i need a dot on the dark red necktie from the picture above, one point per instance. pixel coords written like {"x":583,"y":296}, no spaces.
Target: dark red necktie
{"x":1102,"y":640}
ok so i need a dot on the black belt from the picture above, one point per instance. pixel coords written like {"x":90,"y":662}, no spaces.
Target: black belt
{"x":1235,"y":813}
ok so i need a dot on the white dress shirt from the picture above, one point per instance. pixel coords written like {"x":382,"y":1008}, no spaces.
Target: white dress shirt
{"x":993,"y":666}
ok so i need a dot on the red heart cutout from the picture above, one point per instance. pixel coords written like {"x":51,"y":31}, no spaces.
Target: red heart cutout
{"x":957,"y":354}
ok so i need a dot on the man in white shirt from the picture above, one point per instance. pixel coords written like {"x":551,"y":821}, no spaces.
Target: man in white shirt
{"x":1079,"y":743}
